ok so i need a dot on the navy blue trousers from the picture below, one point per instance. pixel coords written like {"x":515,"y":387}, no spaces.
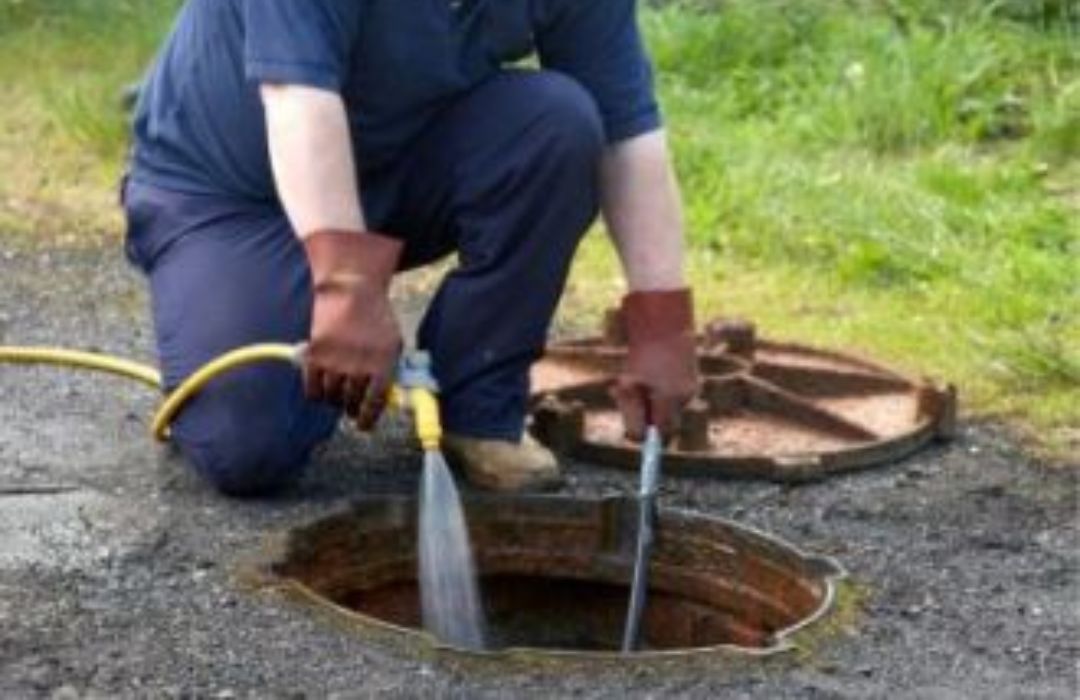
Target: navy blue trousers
{"x":506,"y":177}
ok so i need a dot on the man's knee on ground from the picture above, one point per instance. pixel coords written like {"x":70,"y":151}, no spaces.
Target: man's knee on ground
{"x":248,"y":466}
{"x":248,"y":436}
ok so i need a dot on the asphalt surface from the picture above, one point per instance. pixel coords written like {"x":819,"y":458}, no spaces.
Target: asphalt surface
{"x":118,"y":570}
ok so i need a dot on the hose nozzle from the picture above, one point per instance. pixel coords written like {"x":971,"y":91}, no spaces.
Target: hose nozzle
{"x":416,"y":389}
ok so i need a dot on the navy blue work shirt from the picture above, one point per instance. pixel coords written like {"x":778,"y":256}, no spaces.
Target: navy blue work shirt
{"x":200,"y":125}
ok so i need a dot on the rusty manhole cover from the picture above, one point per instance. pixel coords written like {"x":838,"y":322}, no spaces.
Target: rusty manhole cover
{"x":769,"y":410}
{"x":554,"y":575}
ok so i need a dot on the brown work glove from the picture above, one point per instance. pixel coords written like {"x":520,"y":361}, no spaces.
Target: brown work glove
{"x":355,"y":339}
{"x":661,"y":372}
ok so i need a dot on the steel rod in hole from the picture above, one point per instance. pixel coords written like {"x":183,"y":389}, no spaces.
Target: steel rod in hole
{"x":650,"y":477}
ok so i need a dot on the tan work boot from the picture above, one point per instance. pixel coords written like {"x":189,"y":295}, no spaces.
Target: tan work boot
{"x":501,"y":465}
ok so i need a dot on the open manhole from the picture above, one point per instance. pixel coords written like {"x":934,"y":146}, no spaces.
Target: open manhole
{"x":766,"y":410}
{"x":554,"y":575}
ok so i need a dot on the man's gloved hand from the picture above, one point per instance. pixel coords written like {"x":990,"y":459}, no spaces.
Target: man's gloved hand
{"x":661,"y":372}
{"x":355,"y":339}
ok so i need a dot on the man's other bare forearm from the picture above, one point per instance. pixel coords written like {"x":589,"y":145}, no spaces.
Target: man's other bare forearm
{"x":312,"y":157}
{"x":643,"y":211}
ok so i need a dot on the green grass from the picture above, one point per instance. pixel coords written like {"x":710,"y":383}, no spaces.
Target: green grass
{"x":897,"y":176}
{"x":893,"y":177}
{"x":63,"y":65}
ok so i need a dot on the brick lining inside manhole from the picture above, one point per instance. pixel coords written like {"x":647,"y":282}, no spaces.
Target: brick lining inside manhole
{"x":554,"y":573}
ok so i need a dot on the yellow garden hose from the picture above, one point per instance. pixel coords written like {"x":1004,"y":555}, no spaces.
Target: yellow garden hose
{"x":215,"y":368}
{"x":85,"y":360}
{"x":419,"y":396}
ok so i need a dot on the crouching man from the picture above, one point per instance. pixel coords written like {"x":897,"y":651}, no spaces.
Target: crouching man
{"x":290,"y":156}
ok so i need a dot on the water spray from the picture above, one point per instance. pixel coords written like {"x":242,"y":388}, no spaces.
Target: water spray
{"x":448,"y":590}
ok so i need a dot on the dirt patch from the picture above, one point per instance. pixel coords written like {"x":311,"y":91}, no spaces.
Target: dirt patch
{"x":965,"y":557}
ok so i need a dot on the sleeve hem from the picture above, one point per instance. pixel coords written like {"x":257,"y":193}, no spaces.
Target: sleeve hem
{"x":637,"y":125}
{"x":311,"y":75}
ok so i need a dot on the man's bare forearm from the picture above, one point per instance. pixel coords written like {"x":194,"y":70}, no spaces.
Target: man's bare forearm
{"x":312,"y":157}
{"x":642,"y":209}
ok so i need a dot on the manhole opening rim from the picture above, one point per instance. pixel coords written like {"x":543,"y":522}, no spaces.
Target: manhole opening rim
{"x":830,"y":571}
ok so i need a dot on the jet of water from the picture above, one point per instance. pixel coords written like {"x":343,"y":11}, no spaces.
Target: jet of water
{"x":448,"y":588}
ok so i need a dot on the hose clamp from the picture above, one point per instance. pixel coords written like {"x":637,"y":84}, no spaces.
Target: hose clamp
{"x":414,"y":372}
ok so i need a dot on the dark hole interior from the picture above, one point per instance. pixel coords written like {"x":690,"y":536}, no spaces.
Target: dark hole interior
{"x":573,"y":614}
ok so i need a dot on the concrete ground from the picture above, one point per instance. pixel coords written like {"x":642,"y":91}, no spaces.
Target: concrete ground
{"x":117,"y":569}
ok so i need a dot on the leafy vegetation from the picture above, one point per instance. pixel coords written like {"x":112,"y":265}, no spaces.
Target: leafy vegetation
{"x":898,"y":176}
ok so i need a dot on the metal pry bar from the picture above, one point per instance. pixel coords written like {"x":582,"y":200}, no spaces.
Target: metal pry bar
{"x":650,"y":479}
